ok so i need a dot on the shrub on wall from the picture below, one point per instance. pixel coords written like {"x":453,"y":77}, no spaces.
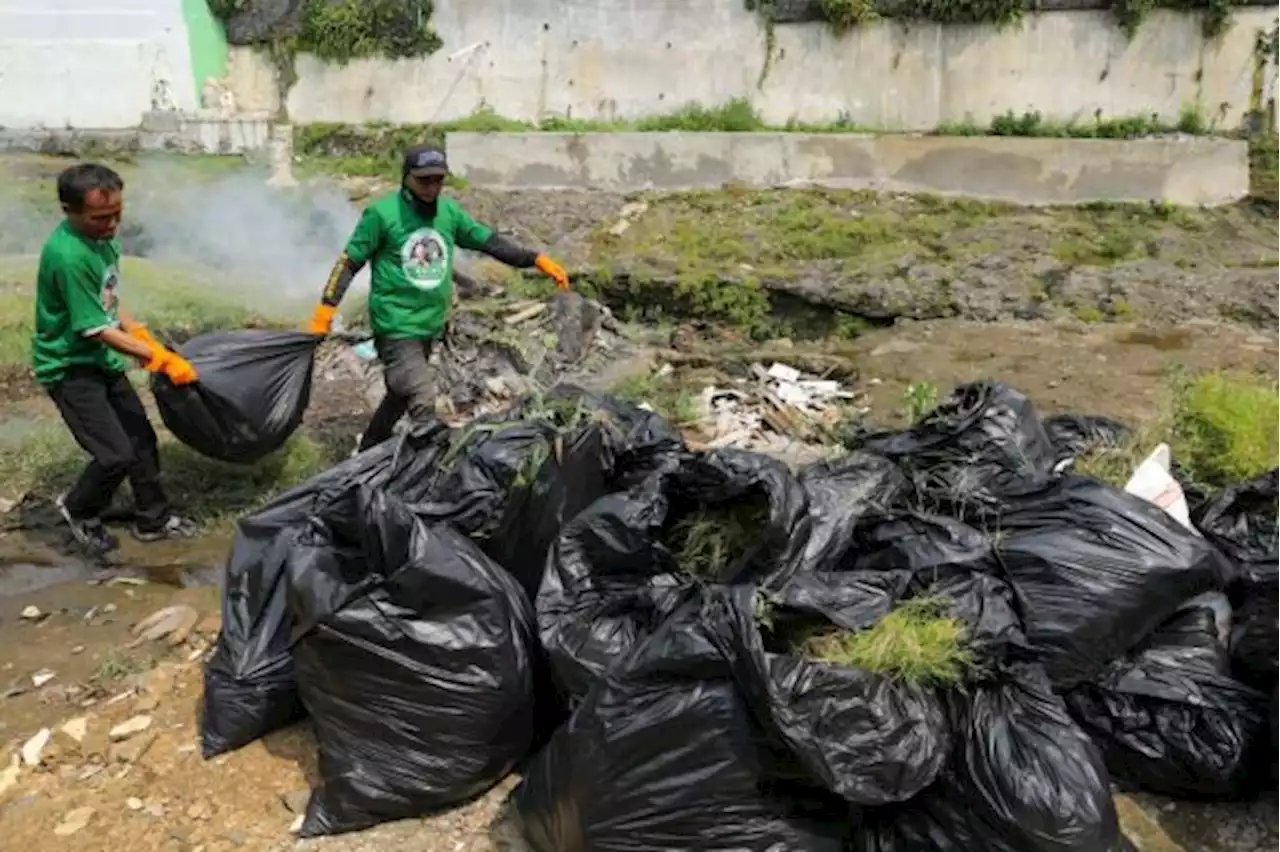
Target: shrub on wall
{"x":843,"y":15}
{"x":340,"y":30}
{"x":335,"y":30}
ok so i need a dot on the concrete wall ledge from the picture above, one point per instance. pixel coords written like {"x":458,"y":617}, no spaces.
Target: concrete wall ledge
{"x":1183,"y":170}
{"x":172,"y":132}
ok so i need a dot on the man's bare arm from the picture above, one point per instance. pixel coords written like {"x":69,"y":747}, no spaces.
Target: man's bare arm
{"x":122,"y":341}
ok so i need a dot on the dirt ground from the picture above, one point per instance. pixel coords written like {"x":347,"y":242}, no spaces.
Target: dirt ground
{"x":1078,"y":323}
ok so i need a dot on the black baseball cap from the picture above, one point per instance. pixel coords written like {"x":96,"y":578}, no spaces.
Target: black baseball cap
{"x":425,"y":161}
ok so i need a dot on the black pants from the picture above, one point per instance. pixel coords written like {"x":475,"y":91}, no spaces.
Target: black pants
{"x":411,"y":387}
{"x":107,"y":419}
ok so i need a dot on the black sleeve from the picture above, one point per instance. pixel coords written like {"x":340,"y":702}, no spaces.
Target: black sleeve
{"x":500,"y":248}
{"x":339,"y":280}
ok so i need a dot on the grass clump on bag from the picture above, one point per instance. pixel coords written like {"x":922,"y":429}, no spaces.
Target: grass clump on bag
{"x":1114,"y":464}
{"x":564,"y":415}
{"x":709,"y":540}
{"x":915,"y":642}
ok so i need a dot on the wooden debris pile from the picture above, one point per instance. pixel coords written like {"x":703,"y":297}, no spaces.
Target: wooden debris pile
{"x":773,"y":408}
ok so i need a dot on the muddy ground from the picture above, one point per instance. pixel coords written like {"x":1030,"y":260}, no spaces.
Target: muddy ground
{"x":1084,"y":311}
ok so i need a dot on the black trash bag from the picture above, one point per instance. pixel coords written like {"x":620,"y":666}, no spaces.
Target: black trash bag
{"x":611,"y":579}
{"x":872,"y":738}
{"x":938,"y":557}
{"x":616,"y":446}
{"x":469,"y":477}
{"x":253,"y":389}
{"x":1254,"y":644}
{"x":1241,"y":521}
{"x":868,"y":737}
{"x":1022,"y":778}
{"x":666,"y":754}
{"x":1096,"y":571}
{"x":1075,"y":434}
{"x":414,"y":661}
{"x":984,"y":440}
{"x":249,"y":686}
{"x":842,"y":490}
{"x":1171,"y":720}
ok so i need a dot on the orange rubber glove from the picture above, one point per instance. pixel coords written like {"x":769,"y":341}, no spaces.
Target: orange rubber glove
{"x":179,"y":370}
{"x":552,"y":270}
{"x":322,"y":320}
{"x":140,"y":332}
{"x":172,"y":365}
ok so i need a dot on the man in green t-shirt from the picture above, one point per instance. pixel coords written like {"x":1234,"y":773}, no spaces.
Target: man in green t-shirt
{"x":84,"y":340}
{"x":409,"y":237}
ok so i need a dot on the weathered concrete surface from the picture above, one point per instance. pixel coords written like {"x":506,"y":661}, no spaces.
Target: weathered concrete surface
{"x":1181,"y":170}
{"x":158,"y":132}
{"x":531,"y":59}
{"x":98,"y":65}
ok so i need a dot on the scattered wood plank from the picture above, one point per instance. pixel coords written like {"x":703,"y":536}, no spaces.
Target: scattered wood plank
{"x":525,"y":314}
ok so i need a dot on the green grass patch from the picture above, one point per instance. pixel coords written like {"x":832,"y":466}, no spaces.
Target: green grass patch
{"x":31,"y":179}
{"x":1224,"y":428}
{"x":212,"y":492}
{"x":118,"y":664}
{"x":664,"y":394}
{"x":710,"y":540}
{"x":1221,"y":429}
{"x":1114,"y":464}
{"x":1191,"y":120}
{"x":173,"y":300}
{"x":915,"y":643}
{"x":918,"y":399}
{"x":1263,"y":166}
{"x":728,"y":255}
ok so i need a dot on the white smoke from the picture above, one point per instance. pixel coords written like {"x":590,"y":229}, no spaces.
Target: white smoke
{"x":269,"y":246}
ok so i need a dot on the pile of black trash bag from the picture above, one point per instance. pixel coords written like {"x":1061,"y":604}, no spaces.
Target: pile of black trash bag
{"x":650,"y":706}
{"x":493,"y":493}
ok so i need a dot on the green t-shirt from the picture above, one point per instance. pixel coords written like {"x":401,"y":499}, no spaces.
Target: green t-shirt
{"x":76,"y":296}
{"x":411,"y":283}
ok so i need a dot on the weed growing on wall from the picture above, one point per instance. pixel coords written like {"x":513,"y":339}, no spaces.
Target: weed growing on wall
{"x":342,"y":30}
{"x":334,"y":30}
{"x":844,"y":15}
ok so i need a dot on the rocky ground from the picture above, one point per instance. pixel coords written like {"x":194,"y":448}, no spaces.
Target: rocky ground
{"x":1084,"y":310}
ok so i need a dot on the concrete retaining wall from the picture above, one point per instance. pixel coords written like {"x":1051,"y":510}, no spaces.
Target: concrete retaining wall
{"x":87,"y":63}
{"x":532,"y":59}
{"x":174,"y":132}
{"x":1183,"y":170}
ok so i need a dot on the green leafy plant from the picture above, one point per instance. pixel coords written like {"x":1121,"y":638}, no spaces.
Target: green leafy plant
{"x":844,"y":15}
{"x":342,"y":30}
{"x":919,"y":399}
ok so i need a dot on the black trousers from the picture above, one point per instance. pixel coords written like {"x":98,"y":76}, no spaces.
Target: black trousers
{"x":107,"y":419}
{"x":411,"y":387}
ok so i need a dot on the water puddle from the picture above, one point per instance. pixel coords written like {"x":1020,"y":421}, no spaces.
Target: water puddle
{"x":1164,"y":341}
{"x":24,"y":578}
